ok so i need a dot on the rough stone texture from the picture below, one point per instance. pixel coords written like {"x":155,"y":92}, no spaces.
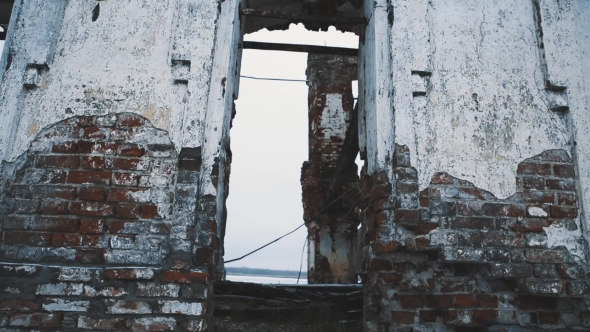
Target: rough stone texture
{"x":332,"y":231}
{"x":495,"y":113}
{"x":98,"y":191}
{"x":119,"y":305}
{"x":468,"y":232}
{"x":92,"y":190}
{"x":454,"y":255}
{"x":144,"y":70}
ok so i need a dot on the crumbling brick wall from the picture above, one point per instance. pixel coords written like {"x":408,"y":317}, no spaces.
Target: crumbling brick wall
{"x":330,"y":111}
{"x":453,"y":257}
{"x":98,"y":231}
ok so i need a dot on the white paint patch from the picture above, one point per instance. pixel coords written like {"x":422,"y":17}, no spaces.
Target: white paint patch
{"x":160,"y":323}
{"x":183,"y":308}
{"x":66,"y":305}
{"x":559,"y":236}
{"x":75,"y":274}
{"x":124,"y":307}
{"x":60,"y":289}
{"x":12,"y":290}
{"x":155,"y":290}
{"x":104,"y":292}
{"x":537,"y":212}
{"x":333,"y":119}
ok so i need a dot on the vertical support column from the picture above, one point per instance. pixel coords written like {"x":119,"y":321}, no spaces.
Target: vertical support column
{"x":191,"y":53}
{"x":331,"y":231}
{"x":561,"y":48}
{"x":376,"y":97}
{"x":215,"y":140}
{"x":377,"y":125}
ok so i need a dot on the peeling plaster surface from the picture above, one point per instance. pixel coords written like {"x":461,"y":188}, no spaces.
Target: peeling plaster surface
{"x":483,"y":109}
{"x":559,"y":236}
{"x":584,"y":34}
{"x":566,"y":47}
{"x":580,"y":114}
{"x":224,"y":85}
{"x":334,"y":118}
{"x":109,"y":65}
{"x":336,"y":248}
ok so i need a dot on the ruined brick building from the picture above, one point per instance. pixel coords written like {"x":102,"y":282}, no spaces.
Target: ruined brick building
{"x":470,"y":213}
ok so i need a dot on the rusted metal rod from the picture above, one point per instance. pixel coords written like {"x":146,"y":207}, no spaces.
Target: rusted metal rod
{"x":295,"y":17}
{"x":300,"y":48}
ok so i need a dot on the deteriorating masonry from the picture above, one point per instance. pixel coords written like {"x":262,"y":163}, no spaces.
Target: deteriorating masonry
{"x":454,"y":256}
{"x":332,"y":230}
{"x":100,"y":187}
{"x":115,"y":162}
{"x":93,"y":192}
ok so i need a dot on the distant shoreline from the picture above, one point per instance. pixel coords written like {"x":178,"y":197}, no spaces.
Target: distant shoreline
{"x":254,"y":272}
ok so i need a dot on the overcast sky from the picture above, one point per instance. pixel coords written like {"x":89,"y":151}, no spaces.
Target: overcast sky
{"x":269,"y":144}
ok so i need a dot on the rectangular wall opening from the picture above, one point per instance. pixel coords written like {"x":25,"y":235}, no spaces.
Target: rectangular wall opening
{"x":291,"y":122}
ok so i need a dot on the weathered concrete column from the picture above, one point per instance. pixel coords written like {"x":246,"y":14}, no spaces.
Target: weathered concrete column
{"x":331,"y":231}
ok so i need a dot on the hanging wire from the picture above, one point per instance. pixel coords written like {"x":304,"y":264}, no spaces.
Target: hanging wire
{"x":274,"y":79}
{"x":293,"y":231}
{"x":264,"y":246}
{"x":301,"y":263}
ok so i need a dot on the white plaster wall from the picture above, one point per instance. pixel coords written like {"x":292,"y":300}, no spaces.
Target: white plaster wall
{"x":485,"y":108}
{"x":29,"y":42}
{"x":122,"y":62}
{"x":567,"y":44}
{"x":583,"y":155}
{"x":584,"y":38}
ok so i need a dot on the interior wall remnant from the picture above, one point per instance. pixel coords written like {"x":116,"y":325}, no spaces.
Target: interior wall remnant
{"x":332,"y":232}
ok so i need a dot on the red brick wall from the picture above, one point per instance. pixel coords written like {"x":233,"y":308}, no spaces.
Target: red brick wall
{"x":93,"y":190}
{"x":90,"y":194}
{"x":453,"y":256}
{"x":50,"y":298}
{"x":329,"y":74}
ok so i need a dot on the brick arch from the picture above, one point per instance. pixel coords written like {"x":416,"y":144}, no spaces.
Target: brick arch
{"x":92,"y":190}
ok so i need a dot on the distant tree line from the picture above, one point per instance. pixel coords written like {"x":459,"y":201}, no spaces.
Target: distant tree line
{"x":265,"y":272}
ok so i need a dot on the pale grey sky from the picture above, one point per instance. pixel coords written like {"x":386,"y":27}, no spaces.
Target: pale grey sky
{"x":269,"y":144}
